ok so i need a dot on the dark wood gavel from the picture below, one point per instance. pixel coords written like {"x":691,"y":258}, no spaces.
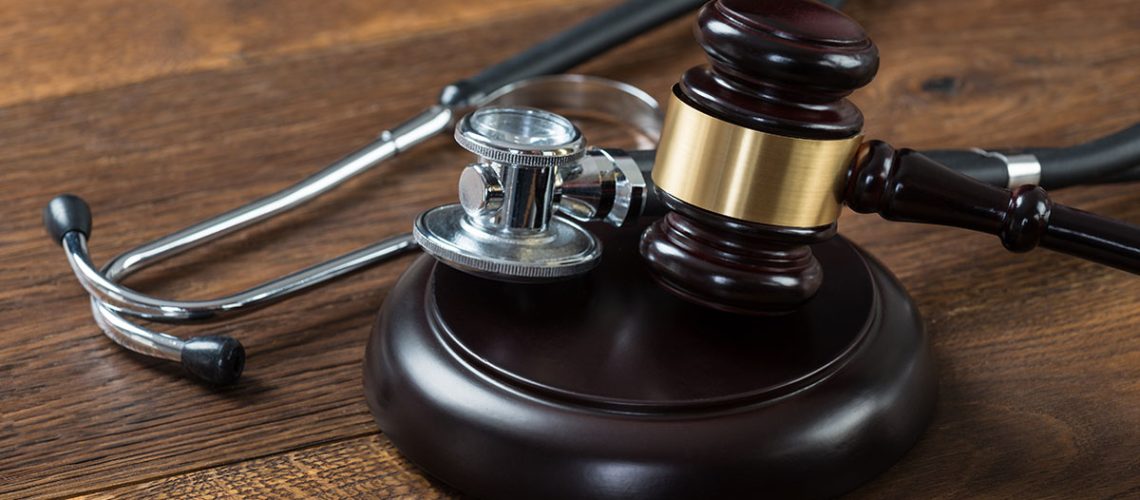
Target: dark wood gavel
{"x":761,"y":149}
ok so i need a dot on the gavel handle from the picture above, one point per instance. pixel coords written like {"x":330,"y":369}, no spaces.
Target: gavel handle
{"x":904,"y":185}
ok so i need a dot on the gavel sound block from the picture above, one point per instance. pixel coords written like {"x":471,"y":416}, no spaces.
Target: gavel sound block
{"x":737,"y":346}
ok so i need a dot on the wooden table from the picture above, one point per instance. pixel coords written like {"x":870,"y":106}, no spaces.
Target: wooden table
{"x":164,"y":113}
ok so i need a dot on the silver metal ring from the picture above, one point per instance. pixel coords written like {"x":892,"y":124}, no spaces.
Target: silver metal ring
{"x":564,"y":250}
{"x":582,"y":95}
{"x":1021,"y":169}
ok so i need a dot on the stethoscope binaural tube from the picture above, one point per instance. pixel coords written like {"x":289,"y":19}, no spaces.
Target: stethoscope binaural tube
{"x":216,"y":359}
{"x":120,"y":299}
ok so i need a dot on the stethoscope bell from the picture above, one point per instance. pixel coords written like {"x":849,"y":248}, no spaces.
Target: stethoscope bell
{"x":504,"y":227}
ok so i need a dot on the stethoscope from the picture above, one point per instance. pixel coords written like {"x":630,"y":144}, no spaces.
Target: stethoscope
{"x":515,"y":82}
{"x":220,"y":359}
{"x":508,"y":123}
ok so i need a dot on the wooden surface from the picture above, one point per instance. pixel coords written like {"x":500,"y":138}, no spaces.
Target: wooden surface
{"x":163,"y":113}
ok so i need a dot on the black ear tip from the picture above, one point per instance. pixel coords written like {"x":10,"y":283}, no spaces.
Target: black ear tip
{"x":66,"y":213}
{"x":215,"y":359}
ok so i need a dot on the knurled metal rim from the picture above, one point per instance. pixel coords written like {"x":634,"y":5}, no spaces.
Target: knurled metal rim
{"x":469,"y":139}
{"x":446,"y":250}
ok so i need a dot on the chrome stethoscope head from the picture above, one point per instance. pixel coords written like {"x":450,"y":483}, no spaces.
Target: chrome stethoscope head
{"x":504,"y":226}
{"x":580,"y":191}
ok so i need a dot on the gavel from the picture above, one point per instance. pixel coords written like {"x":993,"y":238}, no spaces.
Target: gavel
{"x":761,"y":149}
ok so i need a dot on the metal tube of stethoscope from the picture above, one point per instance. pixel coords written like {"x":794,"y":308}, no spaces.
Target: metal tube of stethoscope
{"x":123,"y":300}
{"x":423,"y":126}
{"x":220,"y":359}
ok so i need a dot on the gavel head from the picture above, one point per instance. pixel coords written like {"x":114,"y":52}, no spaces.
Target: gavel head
{"x":754,"y":153}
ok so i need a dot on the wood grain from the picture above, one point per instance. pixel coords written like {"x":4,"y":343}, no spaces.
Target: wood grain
{"x":72,"y":46}
{"x":163,"y":113}
{"x":363,"y":467}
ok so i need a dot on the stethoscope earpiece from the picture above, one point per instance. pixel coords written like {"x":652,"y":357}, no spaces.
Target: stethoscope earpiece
{"x":214,"y":359}
{"x":66,"y":213}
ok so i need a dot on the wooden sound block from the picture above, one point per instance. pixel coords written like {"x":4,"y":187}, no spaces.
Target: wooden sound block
{"x":608,"y":386}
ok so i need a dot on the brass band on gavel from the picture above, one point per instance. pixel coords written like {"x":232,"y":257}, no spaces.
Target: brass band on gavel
{"x":751,"y":175}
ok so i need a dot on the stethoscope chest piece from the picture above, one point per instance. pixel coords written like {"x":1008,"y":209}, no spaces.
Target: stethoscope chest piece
{"x":505,"y":227}
{"x":562,"y":250}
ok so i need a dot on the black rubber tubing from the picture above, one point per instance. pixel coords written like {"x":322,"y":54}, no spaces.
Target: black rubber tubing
{"x":1132,"y":175}
{"x":1112,"y":158}
{"x":571,"y":47}
{"x":1091,"y":161}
